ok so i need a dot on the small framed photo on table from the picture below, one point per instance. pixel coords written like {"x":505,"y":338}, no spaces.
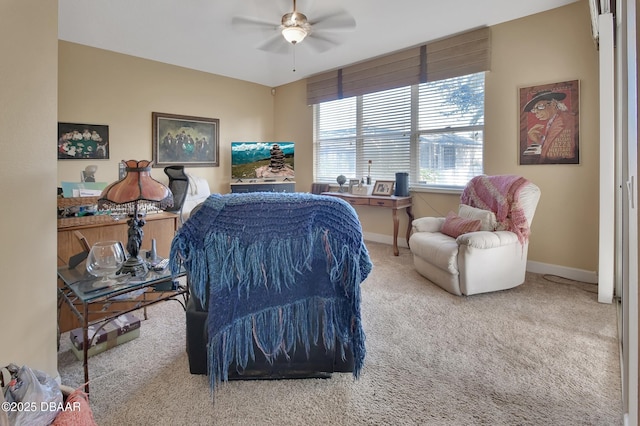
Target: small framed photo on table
{"x":383,"y":187}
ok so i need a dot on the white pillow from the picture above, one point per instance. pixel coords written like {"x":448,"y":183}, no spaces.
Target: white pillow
{"x":488,"y":221}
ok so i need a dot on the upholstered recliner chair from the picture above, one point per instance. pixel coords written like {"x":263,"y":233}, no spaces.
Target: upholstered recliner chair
{"x":483,"y":247}
{"x":275,"y":286}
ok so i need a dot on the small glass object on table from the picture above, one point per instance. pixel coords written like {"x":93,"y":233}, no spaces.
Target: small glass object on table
{"x":105,"y":258}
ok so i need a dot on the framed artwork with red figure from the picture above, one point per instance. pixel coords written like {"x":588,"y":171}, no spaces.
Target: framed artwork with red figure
{"x":550,"y":123}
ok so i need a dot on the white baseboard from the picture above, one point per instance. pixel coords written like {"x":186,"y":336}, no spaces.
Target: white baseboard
{"x":385,"y":239}
{"x":590,"y":277}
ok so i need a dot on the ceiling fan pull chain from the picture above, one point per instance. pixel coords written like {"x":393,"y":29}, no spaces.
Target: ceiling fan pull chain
{"x":294,"y":58}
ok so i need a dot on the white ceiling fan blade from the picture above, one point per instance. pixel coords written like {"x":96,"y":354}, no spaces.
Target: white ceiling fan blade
{"x":275,"y":44}
{"x":335,"y":21}
{"x":319,"y":43}
{"x":246,"y":23}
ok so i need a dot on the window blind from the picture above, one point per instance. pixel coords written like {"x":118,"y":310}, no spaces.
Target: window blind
{"x":454,"y":56}
{"x":386,"y":133}
{"x":433,"y":131}
{"x":450,"y":131}
{"x":335,"y":126}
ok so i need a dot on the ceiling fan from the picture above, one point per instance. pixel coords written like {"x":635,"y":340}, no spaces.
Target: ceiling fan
{"x":295,"y":28}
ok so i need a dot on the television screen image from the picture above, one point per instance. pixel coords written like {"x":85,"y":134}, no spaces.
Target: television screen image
{"x":262,"y":160}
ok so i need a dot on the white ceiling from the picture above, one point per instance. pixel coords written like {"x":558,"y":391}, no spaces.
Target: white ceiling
{"x":198,"y":34}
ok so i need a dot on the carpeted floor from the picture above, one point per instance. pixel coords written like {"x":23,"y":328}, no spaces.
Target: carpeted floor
{"x":543,"y":353}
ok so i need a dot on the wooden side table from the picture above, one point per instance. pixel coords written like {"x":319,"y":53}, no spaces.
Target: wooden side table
{"x":390,"y":202}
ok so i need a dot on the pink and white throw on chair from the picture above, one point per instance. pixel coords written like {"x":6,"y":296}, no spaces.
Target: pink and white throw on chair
{"x":499,"y":194}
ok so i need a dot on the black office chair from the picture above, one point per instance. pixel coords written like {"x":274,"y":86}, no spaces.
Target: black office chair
{"x":179,"y":185}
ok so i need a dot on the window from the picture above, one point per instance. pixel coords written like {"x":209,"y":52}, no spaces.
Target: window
{"x":433,"y":131}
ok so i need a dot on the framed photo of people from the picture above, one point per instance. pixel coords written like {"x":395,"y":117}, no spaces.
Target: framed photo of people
{"x":383,"y":187}
{"x":185,"y":140}
{"x":550,"y":123}
{"x":83,"y":141}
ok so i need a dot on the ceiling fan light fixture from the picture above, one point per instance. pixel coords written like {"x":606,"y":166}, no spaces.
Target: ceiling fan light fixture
{"x":294,"y":34}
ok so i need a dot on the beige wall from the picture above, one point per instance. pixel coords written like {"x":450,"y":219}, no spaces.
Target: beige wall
{"x":28,"y":104}
{"x":294,"y":122}
{"x":544,"y":48}
{"x":101,"y":87}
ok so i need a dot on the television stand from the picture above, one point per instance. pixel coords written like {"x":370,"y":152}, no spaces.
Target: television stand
{"x":263,"y":186}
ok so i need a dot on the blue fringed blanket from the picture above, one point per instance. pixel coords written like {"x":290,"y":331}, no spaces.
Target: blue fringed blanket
{"x":250,"y":257}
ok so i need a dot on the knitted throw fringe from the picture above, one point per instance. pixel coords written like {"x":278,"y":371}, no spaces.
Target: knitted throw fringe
{"x":276,"y":331}
{"x":252,"y":249}
{"x":500,"y":194}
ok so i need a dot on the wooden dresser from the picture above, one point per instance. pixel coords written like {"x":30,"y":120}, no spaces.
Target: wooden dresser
{"x":159,"y":226}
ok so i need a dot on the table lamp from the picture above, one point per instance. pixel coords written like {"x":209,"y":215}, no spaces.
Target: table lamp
{"x":135,"y":190}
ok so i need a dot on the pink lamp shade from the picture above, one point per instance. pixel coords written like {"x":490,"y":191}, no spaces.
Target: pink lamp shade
{"x":136,"y":187}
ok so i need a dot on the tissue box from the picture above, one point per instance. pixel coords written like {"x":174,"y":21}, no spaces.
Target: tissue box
{"x":117,"y":331}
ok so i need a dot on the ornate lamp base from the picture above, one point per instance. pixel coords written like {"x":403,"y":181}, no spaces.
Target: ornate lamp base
{"x":135,"y":266}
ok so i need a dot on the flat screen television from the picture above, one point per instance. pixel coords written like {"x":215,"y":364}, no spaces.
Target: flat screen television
{"x":262,"y":160}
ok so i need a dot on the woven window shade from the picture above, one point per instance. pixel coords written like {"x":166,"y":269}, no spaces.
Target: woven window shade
{"x":462,"y":54}
{"x":323,"y":87}
{"x":399,"y":69}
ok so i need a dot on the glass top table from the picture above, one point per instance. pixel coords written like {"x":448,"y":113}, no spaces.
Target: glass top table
{"x":88,"y":288}
{"x":82,"y":290}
